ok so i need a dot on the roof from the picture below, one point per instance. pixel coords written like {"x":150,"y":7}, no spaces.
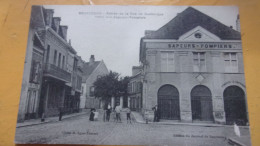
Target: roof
{"x":189,"y":19}
{"x":88,"y":68}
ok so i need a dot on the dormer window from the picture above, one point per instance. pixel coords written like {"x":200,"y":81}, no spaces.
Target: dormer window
{"x":197,"y":35}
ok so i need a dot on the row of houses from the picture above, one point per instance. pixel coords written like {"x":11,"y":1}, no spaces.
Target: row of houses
{"x":55,"y":78}
{"x":192,"y":70}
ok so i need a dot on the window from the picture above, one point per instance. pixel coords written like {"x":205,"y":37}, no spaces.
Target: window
{"x":129,"y":87}
{"x":48,"y":54}
{"x":63,"y":61}
{"x":82,"y":89}
{"x":167,"y":62}
{"x":231,"y":64}
{"x":35,"y":72}
{"x":59,"y":60}
{"x":55,"y":57}
{"x":197,"y":35}
{"x":199,"y":62}
{"x":92,"y":90}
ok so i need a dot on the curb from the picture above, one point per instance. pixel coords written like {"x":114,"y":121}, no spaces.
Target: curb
{"x":187,"y":124}
{"x":50,"y":121}
{"x":235,"y":142}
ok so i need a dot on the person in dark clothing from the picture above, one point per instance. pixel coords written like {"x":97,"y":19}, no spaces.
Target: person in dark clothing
{"x":155,"y":110}
{"x":109,"y":108}
{"x":91,"y":117}
{"x":128,"y":115}
{"x":158,"y":115}
{"x":60,"y":113}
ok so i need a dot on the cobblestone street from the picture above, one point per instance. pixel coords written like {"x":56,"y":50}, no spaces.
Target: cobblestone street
{"x":80,"y":130}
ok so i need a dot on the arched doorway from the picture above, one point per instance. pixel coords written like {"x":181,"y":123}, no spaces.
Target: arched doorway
{"x":235,"y":105}
{"x":201,"y":103}
{"x":168,"y":102}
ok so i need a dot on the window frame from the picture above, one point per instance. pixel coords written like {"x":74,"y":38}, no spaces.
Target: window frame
{"x":199,"y":66}
{"x":170,"y":66}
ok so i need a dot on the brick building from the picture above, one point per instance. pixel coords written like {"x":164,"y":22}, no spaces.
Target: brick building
{"x":193,"y":70}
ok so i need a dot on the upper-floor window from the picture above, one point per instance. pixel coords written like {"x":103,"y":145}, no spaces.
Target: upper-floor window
{"x":55,"y":57}
{"x":129,"y":88}
{"x":167,"y":62}
{"x":92,"y":91}
{"x":199,"y":62}
{"x":59,"y":60}
{"x":48,"y":54}
{"x":35,"y":72}
{"x":63,"y":62}
{"x":231,"y":64}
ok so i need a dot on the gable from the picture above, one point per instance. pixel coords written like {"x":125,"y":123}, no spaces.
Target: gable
{"x":199,"y":34}
{"x":189,"y":19}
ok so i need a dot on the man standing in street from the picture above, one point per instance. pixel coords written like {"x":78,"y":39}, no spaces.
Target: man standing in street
{"x":108,"y":112}
{"x":155,"y":119}
{"x":118,"y":110}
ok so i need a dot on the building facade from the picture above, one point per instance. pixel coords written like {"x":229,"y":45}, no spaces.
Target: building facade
{"x":32,"y":76}
{"x":50,"y":72}
{"x":91,"y":71}
{"x":135,"y":86}
{"x":193,"y":71}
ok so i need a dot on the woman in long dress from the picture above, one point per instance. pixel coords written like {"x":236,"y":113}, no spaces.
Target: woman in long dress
{"x":92,"y":114}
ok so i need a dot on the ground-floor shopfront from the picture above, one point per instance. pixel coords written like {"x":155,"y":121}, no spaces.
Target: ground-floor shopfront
{"x":194,"y":97}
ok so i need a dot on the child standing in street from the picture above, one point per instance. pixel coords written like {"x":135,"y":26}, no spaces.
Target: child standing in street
{"x":128,"y":115}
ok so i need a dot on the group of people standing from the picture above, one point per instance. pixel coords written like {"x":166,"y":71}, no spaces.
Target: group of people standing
{"x":108,"y":110}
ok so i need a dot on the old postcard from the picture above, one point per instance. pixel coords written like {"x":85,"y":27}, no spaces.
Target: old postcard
{"x":134,"y":75}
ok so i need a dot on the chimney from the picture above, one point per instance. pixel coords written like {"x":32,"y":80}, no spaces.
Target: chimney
{"x":56,"y":23}
{"x":91,"y":59}
{"x":64,"y":30}
{"x":48,"y":16}
{"x":238,"y":23}
{"x":136,"y":70}
{"x":148,"y":32}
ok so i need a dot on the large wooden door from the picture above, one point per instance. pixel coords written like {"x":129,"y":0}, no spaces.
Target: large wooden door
{"x":201,"y":103}
{"x":168,"y":102}
{"x":235,"y":105}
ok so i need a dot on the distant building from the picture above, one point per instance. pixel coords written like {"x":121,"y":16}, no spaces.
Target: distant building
{"x":193,"y":70}
{"x":73,"y":89}
{"x":91,"y":71}
{"x":51,"y":75}
{"x":135,"y":88}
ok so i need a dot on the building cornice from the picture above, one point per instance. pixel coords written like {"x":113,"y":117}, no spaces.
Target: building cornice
{"x":178,"y":41}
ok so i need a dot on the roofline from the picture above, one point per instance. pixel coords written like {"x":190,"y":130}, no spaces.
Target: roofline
{"x":178,"y":41}
{"x":93,"y":70}
{"x":62,"y":40}
{"x":140,"y":73}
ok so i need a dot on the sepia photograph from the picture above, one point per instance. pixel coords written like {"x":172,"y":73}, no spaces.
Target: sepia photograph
{"x":134,"y":75}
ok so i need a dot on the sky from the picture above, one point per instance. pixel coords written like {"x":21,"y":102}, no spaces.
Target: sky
{"x":112,"y":33}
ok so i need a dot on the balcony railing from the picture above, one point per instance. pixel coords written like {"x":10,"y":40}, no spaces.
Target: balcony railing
{"x":56,"y":72}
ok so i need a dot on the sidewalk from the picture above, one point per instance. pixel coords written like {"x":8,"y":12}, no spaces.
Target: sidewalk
{"x":139,"y":119}
{"x":49,"y":119}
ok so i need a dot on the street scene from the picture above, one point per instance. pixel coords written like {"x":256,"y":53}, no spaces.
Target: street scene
{"x":134,"y":75}
{"x":80,"y":130}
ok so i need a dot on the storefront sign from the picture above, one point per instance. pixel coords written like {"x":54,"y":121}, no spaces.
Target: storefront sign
{"x":200,"y":45}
